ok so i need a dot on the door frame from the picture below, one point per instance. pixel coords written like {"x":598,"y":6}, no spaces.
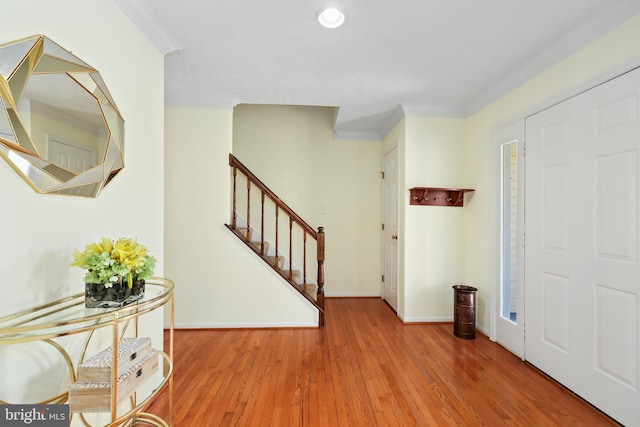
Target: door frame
{"x":510,"y":132}
{"x":597,"y":79}
{"x":396,"y":147}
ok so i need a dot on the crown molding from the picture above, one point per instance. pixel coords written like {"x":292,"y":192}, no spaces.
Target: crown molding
{"x":418,"y":110}
{"x":185,"y":100}
{"x":392,"y":121}
{"x":357,"y":134}
{"x":148,"y":22}
{"x":561,"y":49}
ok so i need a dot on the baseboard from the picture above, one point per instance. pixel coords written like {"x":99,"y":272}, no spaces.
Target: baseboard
{"x":352,"y":295}
{"x":482,"y":331}
{"x":216,"y":325}
{"x":427,"y":319}
{"x":414,"y":320}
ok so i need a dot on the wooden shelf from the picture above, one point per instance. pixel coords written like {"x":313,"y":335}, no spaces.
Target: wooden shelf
{"x":433,"y":196}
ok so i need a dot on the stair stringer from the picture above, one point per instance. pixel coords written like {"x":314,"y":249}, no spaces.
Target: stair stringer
{"x":270,"y":281}
{"x":242,"y":223}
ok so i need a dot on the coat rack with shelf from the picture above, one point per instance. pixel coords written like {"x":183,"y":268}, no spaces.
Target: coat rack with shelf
{"x":434,"y":196}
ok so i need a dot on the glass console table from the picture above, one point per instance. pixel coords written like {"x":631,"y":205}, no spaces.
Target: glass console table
{"x":68,"y":316}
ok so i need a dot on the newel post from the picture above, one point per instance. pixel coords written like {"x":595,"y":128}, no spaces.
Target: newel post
{"x":320,"y":296}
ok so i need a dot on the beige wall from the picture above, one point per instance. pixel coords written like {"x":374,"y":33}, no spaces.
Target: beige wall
{"x":431,"y":238}
{"x":433,"y":235}
{"x":221,"y":283}
{"x":40,"y":232}
{"x":336,"y":173}
{"x":444,"y":246}
{"x":618,"y":48}
{"x":292,"y":150}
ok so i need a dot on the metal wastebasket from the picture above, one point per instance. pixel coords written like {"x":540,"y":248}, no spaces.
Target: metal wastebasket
{"x":464,"y":311}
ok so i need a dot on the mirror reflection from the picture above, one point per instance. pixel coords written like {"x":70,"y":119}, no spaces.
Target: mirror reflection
{"x":59,"y":127}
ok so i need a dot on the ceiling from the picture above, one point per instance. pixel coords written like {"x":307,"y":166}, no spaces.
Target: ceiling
{"x":391,"y":58}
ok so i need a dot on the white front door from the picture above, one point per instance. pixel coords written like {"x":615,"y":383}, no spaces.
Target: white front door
{"x":582,"y":268}
{"x":390,"y":231}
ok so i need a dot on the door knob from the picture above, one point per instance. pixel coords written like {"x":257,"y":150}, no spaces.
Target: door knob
{"x":394,"y":237}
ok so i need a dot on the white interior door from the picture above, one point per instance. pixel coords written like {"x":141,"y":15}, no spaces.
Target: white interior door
{"x":390,"y":231}
{"x":509,"y":277}
{"x":582,"y":268}
{"x":73,"y":157}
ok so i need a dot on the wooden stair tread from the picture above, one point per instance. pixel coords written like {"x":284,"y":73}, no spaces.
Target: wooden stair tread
{"x":272,"y":260}
{"x":242,"y":233}
{"x":295,"y":274}
{"x":257,"y":246}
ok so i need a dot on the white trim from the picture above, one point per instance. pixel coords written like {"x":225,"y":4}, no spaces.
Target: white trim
{"x":483,"y":330}
{"x":590,"y":83}
{"x":427,"y":319}
{"x":508,"y":132}
{"x":561,"y":49}
{"x":361,"y":135}
{"x":392,"y":121}
{"x":148,"y":22}
{"x":495,"y":256}
{"x":438,"y":320}
{"x":216,"y":325}
{"x":494,"y":232}
{"x":414,"y":110}
{"x":593,"y":81}
{"x":186,"y":100}
{"x":353,"y":295}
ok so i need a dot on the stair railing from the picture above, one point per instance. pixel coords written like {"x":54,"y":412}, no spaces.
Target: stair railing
{"x":298,"y":234}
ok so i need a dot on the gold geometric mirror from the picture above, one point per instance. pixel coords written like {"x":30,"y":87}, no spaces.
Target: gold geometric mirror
{"x":59,"y":126}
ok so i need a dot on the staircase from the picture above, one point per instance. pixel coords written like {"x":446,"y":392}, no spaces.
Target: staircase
{"x":283,"y":240}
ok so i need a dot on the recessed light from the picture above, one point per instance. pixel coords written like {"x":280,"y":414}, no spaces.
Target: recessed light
{"x":330,"y":17}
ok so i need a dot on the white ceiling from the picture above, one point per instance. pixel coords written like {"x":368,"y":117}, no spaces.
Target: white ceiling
{"x":416,"y":57}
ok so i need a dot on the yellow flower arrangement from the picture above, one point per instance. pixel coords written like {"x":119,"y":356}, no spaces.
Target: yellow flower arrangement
{"x":109,"y":261}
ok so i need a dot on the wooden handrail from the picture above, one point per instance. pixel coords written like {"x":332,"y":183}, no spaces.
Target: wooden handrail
{"x":260,"y":247}
{"x":234,"y":162}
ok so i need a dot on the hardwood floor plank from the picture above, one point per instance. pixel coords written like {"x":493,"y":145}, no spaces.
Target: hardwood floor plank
{"x":365,"y":368}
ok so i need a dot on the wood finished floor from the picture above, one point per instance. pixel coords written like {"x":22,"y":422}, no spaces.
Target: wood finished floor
{"x":365,"y":368}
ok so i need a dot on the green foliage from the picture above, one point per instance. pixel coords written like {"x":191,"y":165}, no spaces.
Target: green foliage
{"x":110,"y":261}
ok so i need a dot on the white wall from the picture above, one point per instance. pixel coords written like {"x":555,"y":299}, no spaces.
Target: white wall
{"x":615,"y":49}
{"x":292,"y":150}
{"x":40,"y":232}
{"x":220,"y":282}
